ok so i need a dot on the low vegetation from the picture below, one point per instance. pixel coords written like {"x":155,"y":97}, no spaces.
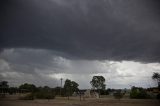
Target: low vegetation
{"x":28,"y":96}
{"x":30,"y":91}
{"x":44,"y":93}
{"x":118,"y":95}
{"x":138,"y":93}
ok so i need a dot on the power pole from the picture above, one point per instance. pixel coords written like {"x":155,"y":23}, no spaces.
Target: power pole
{"x":61,"y":87}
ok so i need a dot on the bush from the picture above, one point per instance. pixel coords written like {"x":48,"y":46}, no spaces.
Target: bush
{"x":29,"y":96}
{"x":118,"y":95}
{"x":44,"y":95}
{"x":138,"y":93}
{"x":38,"y":95}
{"x":158,"y":96}
{"x":104,"y":92}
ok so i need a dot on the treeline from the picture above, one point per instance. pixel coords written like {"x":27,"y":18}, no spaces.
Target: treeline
{"x":37,"y":92}
{"x":45,"y":92}
{"x":71,"y":87}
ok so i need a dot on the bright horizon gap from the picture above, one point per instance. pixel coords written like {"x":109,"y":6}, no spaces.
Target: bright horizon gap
{"x":49,"y":69}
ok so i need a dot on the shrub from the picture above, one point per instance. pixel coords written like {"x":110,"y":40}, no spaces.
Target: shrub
{"x":29,"y":96}
{"x":158,"y":96}
{"x":138,"y":93}
{"x":44,"y":95}
{"x":118,"y":95}
{"x":104,"y":92}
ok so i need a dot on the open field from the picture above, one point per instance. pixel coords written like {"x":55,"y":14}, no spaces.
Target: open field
{"x":76,"y":102}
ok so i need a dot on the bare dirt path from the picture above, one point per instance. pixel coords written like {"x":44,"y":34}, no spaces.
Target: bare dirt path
{"x":77,"y":102}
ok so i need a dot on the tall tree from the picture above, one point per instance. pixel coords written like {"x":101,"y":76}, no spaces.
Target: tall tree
{"x":70,"y":87}
{"x":156,"y":76}
{"x":98,"y":82}
{"x":67,"y":87}
{"x":28,"y":87}
{"x":4,"y":87}
{"x":4,"y":84}
{"x":74,"y":86}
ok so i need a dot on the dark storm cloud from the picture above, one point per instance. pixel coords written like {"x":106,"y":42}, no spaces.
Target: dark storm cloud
{"x":44,"y":67}
{"x":84,"y":29}
{"x":28,"y":60}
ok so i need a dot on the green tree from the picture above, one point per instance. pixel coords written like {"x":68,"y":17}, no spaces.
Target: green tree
{"x":74,"y":86}
{"x":4,"y":87}
{"x":156,"y":76}
{"x":4,"y":84}
{"x":67,"y":87}
{"x":28,"y":87}
{"x":138,"y":93}
{"x":70,"y":87}
{"x":98,"y":83}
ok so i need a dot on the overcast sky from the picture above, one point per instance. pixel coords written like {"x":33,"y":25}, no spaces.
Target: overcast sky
{"x":42,"y":41}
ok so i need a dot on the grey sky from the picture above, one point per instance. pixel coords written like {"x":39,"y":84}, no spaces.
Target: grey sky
{"x":45,"y":67}
{"x":41,"y":40}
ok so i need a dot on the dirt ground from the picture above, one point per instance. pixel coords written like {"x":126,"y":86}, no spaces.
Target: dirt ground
{"x":59,"y":101}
